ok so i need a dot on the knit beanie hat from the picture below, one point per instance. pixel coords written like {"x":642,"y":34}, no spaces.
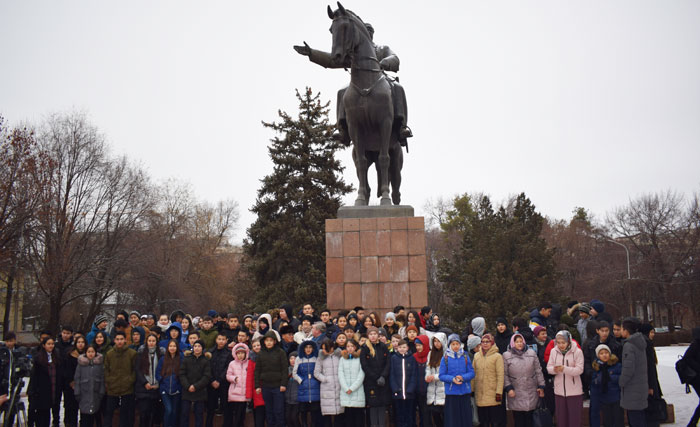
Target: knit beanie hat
{"x":585,"y":307}
{"x":390,"y":315}
{"x":473,"y":342}
{"x":598,"y":305}
{"x":136,"y":313}
{"x":372,"y":329}
{"x":538,"y":329}
{"x":412,"y":328}
{"x":501,"y":320}
{"x":200,"y":342}
{"x":100,"y":318}
{"x":382,"y":332}
{"x":211,"y":313}
{"x":602,"y":347}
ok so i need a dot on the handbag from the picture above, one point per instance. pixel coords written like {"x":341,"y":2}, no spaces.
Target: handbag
{"x":656,"y":409}
{"x":541,"y":417}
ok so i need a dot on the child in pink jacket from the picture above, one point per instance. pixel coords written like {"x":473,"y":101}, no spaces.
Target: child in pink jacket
{"x":237,"y":375}
{"x":566,"y":364}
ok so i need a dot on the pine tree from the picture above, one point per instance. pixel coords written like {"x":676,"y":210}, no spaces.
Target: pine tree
{"x":285,"y":246}
{"x":502,"y":266}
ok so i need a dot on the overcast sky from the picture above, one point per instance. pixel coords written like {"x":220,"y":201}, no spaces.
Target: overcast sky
{"x":576,"y":103}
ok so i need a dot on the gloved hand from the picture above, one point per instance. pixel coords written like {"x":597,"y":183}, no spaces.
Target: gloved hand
{"x":498,"y":397}
{"x":381,"y":381}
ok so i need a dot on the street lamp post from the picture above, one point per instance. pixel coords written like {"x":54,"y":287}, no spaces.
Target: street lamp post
{"x":629,"y":275}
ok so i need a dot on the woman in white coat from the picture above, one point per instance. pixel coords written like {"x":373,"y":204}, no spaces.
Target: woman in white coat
{"x":436,"y":388}
{"x":326,"y":372}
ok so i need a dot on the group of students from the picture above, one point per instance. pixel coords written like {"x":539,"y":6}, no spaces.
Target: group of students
{"x":348,"y":370}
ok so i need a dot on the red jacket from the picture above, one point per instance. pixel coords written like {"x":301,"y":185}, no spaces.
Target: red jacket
{"x":250,"y":387}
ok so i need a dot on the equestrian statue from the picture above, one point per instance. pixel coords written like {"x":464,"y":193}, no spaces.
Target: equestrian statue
{"x":371,"y":110}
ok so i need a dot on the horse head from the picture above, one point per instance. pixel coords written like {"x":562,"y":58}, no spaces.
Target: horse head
{"x":347,"y":30}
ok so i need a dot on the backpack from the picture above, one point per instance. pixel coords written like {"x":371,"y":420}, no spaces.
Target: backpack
{"x":685,"y":372}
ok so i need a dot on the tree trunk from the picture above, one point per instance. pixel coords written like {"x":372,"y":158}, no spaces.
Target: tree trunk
{"x":8,"y":300}
{"x":55,"y":314}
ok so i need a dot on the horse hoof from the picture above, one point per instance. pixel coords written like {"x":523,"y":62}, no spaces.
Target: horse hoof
{"x":360,"y":202}
{"x":385,"y":201}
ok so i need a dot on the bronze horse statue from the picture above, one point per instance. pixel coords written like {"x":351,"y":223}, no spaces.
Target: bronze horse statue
{"x":368,"y":105}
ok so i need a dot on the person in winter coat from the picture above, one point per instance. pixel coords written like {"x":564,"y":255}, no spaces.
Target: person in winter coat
{"x":488,"y":383}
{"x":291,"y":407}
{"x":543,"y":342}
{"x":435,"y":393}
{"x":326,"y":372}
{"x":168,"y":377}
{"x":102,"y":342}
{"x":208,"y":332}
{"x":147,"y":388}
{"x":45,"y":382}
{"x":263,"y":327}
{"x":603,"y":336}
{"x":421,"y":401}
{"x":120,"y":377}
{"x":634,"y":386}
{"x":309,"y":392}
{"x":692,"y":358}
{"x":271,"y":378}
{"x":456,"y":372}
{"x":566,"y":364}
{"x":237,"y":378}
{"x":374,"y":358}
{"x":218,"y":389}
{"x":403,"y":375}
{"x":390,"y":325}
{"x":174,"y":332}
{"x":503,"y":335}
{"x":350,"y":378}
{"x":89,"y":387}
{"x":523,"y":379}
{"x":250,"y":391}
{"x":605,"y":387}
{"x":70,"y":364}
{"x":100,"y":325}
{"x":195,"y":375}
{"x":652,"y":375}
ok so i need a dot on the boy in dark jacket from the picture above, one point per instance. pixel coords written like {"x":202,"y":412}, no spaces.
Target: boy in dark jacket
{"x":271,"y":376}
{"x":195,"y":374}
{"x":291,"y":409}
{"x":217,"y":391}
{"x":605,"y":387}
{"x":120,"y":378}
{"x":402,"y":377}
{"x":309,"y":391}
{"x":633,"y":379}
{"x":207,"y":332}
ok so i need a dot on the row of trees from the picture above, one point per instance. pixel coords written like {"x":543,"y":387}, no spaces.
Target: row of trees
{"x":81,"y":228}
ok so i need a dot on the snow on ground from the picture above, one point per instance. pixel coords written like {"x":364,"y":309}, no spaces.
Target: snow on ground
{"x":674,"y":392}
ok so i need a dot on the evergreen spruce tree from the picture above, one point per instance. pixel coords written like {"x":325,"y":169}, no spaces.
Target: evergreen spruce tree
{"x":285,"y":246}
{"x":502,"y":266}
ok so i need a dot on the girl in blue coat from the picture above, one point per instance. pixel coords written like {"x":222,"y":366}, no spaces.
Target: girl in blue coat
{"x":605,"y":387}
{"x":403,"y":377}
{"x":456,"y":372}
{"x":167,"y":374}
{"x":309,"y":391}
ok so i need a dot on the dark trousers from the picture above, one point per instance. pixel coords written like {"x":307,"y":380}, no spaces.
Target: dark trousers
{"x":171,"y":409}
{"x":334,"y":420}
{"x":354,"y":417}
{"x":234,"y":414}
{"x":421,"y":404}
{"x":458,"y":410}
{"x":696,"y":416}
{"x":187,"y":407}
{"x":126,"y":410}
{"x":43,"y":418}
{"x":437,"y":415}
{"x":569,"y":410}
{"x":291,"y":415}
{"x":88,"y":420}
{"x":70,"y":407}
{"x":492,"y":416}
{"x":637,"y":418}
{"x":147,"y":410}
{"x":309,"y":408}
{"x":259,"y":416}
{"x":613,"y":415}
{"x":217,"y":398}
{"x":377,"y":416}
{"x":274,"y":406}
{"x":522,"y":418}
{"x":405,"y":412}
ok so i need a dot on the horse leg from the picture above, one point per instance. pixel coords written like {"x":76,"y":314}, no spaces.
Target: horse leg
{"x":361,"y":166}
{"x":385,"y":133}
{"x":395,"y":167}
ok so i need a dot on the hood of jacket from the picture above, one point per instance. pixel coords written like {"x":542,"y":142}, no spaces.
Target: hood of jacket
{"x":240,"y":346}
{"x":267,"y":317}
{"x":174,"y":315}
{"x":174,"y":325}
{"x":84,"y":361}
{"x":302,"y":347}
{"x":448,"y":349}
{"x":443,"y":339}
{"x":422,"y":356}
{"x":141,"y":331}
{"x":478,"y":326}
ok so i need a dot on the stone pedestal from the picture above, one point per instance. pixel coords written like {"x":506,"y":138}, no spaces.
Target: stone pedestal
{"x":376,"y":263}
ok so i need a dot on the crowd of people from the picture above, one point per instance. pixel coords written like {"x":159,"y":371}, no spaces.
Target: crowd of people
{"x":352,"y":369}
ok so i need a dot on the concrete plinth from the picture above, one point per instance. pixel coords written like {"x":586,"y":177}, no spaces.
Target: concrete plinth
{"x":376,"y":262}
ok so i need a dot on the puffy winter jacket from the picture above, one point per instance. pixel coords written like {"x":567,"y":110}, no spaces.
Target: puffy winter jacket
{"x":523,"y":374}
{"x":271,"y":365}
{"x":375,"y":367}
{"x":403,"y":376}
{"x":436,"y":388}
{"x":634,"y":387}
{"x":164,"y":342}
{"x":326,"y":372}
{"x":612,"y":388}
{"x":489,"y":377}
{"x":120,"y":371}
{"x":250,"y":387}
{"x":292,"y":392}
{"x":89,"y":385}
{"x":195,"y":371}
{"x":209,"y":337}
{"x":351,"y":377}
{"x":567,"y":383}
{"x":303,"y":374}
{"x":171,"y":383}
{"x":219,"y":362}
{"x":237,"y":375}
{"x":454,"y":364}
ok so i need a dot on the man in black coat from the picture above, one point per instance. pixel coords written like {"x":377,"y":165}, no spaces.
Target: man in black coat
{"x":217,"y":391}
{"x":692,"y":357}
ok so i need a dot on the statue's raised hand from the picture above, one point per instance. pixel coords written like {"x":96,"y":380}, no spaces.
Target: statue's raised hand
{"x":303,"y":50}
